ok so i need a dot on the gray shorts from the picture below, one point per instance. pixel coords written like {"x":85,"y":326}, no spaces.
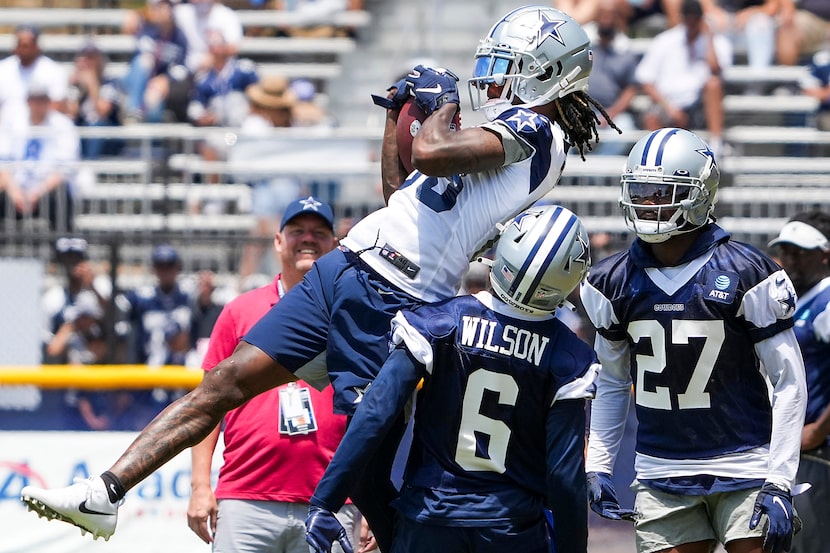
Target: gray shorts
{"x":244,"y":526}
{"x":667,"y":520}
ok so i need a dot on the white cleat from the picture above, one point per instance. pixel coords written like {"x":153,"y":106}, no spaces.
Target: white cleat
{"x":84,"y":504}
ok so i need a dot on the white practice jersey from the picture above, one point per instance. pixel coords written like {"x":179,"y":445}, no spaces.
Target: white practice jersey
{"x":423,"y":240}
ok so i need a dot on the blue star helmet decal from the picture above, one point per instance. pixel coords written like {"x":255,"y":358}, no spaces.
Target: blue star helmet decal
{"x":521,"y":217}
{"x":525,"y":119}
{"x":707,"y":152}
{"x":310,"y":203}
{"x":583,"y":257}
{"x":549,"y":28}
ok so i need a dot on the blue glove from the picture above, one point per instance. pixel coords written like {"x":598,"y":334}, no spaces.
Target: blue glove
{"x":433,"y":87}
{"x":603,"y":498}
{"x":321,"y":530}
{"x":779,"y":527}
{"x":398,"y":99}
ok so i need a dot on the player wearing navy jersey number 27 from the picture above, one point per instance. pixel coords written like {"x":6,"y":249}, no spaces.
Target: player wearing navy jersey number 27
{"x":534,"y":66}
{"x":702,"y":327}
{"x":499,"y":424}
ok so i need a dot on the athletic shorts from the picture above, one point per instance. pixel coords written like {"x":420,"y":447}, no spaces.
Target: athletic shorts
{"x":415,"y":537}
{"x":343,"y":308}
{"x":666,"y":520}
{"x":248,"y":526}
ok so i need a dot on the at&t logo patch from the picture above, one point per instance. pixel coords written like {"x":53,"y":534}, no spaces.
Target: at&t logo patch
{"x":720,"y":286}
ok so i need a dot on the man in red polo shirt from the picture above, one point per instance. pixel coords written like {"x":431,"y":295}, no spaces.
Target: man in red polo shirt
{"x":278,"y":444}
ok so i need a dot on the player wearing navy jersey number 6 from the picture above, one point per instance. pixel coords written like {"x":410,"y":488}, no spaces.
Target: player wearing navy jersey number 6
{"x":702,"y":327}
{"x":534,"y":65}
{"x":499,"y":424}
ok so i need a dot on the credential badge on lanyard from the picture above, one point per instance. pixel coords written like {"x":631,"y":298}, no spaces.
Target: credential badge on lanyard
{"x":296,"y":411}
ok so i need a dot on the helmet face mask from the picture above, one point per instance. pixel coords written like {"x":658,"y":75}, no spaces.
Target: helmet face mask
{"x":669,"y":186}
{"x":537,"y":53}
{"x":541,"y":256}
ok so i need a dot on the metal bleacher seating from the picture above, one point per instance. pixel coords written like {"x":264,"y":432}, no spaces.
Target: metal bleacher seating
{"x":777,"y":164}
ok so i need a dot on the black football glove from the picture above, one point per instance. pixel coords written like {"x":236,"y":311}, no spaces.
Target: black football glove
{"x":433,"y":87}
{"x":603,"y":498}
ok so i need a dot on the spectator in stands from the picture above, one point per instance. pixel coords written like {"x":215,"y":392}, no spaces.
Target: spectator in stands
{"x":612,"y":77}
{"x":219,"y":94}
{"x":317,"y":17}
{"x":78,"y":276}
{"x":194,"y":18}
{"x":43,"y":143}
{"x":94,"y":101}
{"x":633,"y":11}
{"x":749,"y":24}
{"x":309,"y":109}
{"x":269,"y":475}
{"x":81,"y":340}
{"x":803,"y":29}
{"x":816,"y":83}
{"x":271,"y":101}
{"x":682,"y":74}
{"x":160,"y":315}
{"x":157,"y":64}
{"x":27,"y":65}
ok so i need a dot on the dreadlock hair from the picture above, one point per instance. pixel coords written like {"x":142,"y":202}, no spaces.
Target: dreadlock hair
{"x":578,"y":119}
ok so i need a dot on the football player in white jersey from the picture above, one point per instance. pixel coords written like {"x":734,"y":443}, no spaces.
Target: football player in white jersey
{"x":530,"y":77}
{"x":702,"y":327}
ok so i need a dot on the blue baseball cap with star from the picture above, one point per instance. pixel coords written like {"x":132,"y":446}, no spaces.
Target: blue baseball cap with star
{"x":308,"y":205}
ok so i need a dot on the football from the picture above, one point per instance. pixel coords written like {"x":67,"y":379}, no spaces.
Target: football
{"x":409,"y":123}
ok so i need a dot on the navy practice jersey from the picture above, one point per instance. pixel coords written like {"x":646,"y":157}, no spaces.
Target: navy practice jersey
{"x":493,"y":438}
{"x":478,"y":454}
{"x":812,"y":329}
{"x":691,"y":333}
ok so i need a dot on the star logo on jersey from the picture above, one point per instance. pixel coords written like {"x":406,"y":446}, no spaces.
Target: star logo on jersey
{"x":359,"y":393}
{"x":549,"y":28}
{"x":788,"y":303}
{"x":310,"y":203}
{"x":525,"y":119}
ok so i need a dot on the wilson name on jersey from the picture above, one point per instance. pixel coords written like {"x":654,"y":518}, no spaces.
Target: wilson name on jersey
{"x":493,"y":375}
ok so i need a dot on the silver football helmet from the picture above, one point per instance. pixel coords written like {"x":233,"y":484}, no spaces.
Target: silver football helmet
{"x":541,"y":53}
{"x":541,"y":256}
{"x":669,"y":186}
